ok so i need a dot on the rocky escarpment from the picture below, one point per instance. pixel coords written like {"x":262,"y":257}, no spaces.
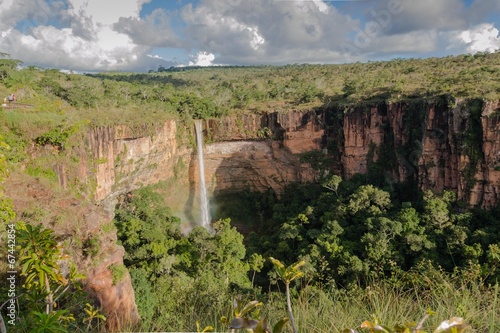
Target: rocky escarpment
{"x":436,"y":144}
{"x":121,"y":159}
{"x":439,"y":144}
{"x":260,"y":151}
{"x":297,"y":131}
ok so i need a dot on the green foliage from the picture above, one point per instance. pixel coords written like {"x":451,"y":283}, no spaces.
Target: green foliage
{"x":39,"y":255}
{"x":359,"y":237}
{"x":3,"y":163}
{"x":57,"y":136}
{"x":247,"y":317}
{"x":361,"y":232}
{"x":264,"y":132}
{"x":176,"y":274}
{"x":118,"y":272}
{"x":91,"y":246}
{"x":39,"y":171}
{"x":52,"y":322}
{"x":288,"y":274}
{"x":332,"y":183}
{"x":7,"y":66}
{"x":92,"y":314}
{"x":45,"y":304}
{"x":349,"y":87}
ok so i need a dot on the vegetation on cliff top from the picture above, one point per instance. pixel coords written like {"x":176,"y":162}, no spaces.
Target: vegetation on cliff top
{"x":110,"y":98}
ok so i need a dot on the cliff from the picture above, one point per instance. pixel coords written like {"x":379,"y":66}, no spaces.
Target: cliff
{"x":439,"y":144}
{"x":436,"y":144}
{"x":120,"y":159}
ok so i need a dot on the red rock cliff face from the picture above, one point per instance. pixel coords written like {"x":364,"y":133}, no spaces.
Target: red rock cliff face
{"x":362,"y":129}
{"x":432,"y":143}
{"x":440,"y":146}
{"x":122,"y":159}
{"x":488,"y":188}
{"x":299,"y":131}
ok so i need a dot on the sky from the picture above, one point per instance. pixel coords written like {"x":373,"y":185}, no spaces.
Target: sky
{"x":141,"y":35}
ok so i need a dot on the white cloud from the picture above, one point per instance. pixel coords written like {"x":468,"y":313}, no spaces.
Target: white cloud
{"x":202,"y":59}
{"x":267,"y":31}
{"x":85,"y":38}
{"x":153,"y":30}
{"x":95,"y":35}
{"x":481,"y":38}
{"x":107,"y":12}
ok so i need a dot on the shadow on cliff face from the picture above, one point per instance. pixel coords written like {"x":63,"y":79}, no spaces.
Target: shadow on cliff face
{"x":234,"y":170}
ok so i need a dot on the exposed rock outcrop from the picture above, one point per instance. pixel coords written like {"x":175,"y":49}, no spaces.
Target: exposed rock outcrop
{"x":258,"y":165}
{"x":122,"y":159}
{"x":299,"y":131}
{"x":440,"y":144}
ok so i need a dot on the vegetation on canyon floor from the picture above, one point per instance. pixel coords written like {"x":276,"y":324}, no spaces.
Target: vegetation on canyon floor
{"x":363,"y":252}
{"x":369,"y":249}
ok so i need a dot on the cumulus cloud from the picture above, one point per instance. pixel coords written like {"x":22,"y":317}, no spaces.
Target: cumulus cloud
{"x":481,"y":38}
{"x":267,"y":31}
{"x":202,"y":59}
{"x":85,"y":37}
{"x":113,"y":35}
{"x":155,"y":30}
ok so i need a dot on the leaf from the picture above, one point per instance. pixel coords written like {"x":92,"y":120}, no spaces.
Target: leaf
{"x":277,"y":263}
{"x":299,"y":264}
{"x":374,"y":327}
{"x":261,"y":326}
{"x":454,"y":325}
{"x":249,"y":306}
{"x":280,"y":325}
{"x":224,"y":320}
{"x":237,"y":306}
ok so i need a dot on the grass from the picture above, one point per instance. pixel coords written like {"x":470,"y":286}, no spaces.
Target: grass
{"x":325,"y":310}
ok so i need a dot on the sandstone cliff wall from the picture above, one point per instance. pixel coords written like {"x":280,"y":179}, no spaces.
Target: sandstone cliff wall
{"x":438,"y":145}
{"x":245,"y":156}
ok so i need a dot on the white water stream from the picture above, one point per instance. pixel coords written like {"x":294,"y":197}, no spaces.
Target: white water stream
{"x":205,"y":216}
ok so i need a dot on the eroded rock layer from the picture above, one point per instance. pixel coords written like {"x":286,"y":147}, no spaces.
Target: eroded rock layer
{"x":437,"y":145}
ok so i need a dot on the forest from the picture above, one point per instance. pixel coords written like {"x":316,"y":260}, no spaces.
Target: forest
{"x":334,"y":255}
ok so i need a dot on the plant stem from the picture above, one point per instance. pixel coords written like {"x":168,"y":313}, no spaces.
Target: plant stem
{"x":289,"y":306}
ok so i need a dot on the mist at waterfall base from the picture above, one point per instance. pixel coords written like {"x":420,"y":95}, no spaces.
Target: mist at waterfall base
{"x":205,"y":213}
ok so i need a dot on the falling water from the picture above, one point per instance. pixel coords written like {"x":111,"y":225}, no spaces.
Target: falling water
{"x":205,"y":218}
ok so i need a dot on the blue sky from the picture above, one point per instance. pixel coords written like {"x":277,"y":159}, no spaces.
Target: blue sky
{"x":139,"y":35}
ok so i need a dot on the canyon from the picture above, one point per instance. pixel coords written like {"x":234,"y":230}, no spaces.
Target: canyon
{"x":439,"y":144}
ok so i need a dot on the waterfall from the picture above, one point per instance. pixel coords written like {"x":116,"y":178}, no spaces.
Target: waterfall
{"x":205,"y":217}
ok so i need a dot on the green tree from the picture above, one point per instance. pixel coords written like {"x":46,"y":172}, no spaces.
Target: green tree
{"x":333,"y":183}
